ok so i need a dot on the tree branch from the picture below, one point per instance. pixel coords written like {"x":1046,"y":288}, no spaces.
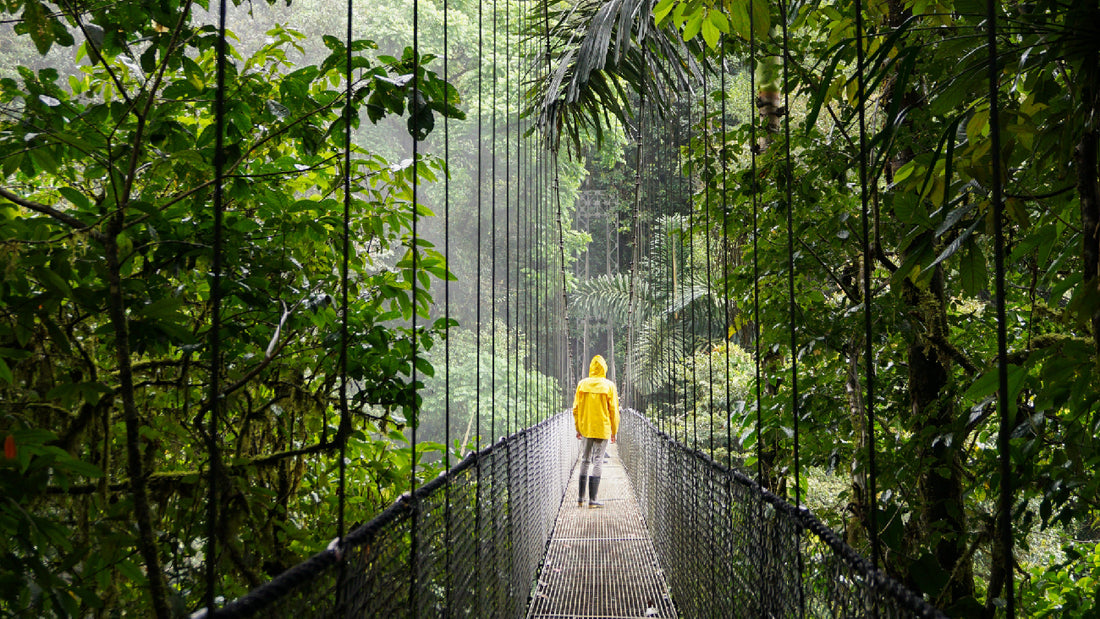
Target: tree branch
{"x":50,"y":211}
{"x":170,"y":480}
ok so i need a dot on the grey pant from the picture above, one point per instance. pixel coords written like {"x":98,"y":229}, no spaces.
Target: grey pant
{"x":593,"y":454}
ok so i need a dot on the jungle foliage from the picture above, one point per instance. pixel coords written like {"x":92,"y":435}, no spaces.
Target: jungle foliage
{"x":931,"y":262}
{"x":107,"y":229}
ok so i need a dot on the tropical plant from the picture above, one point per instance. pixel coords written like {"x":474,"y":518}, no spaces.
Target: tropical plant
{"x":929,"y":192}
{"x":107,"y":343}
{"x":677,"y":312}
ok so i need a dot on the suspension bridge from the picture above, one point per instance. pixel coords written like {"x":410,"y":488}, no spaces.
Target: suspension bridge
{"x":500,"y":536}
{"x":339,"y":316}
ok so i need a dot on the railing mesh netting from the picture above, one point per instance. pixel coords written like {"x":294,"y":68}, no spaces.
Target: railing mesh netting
{"x":475,"y":537}
{"x":732,"y":549}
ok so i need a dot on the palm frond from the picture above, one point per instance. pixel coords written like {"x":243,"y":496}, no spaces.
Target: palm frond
{"x":601,"y":50}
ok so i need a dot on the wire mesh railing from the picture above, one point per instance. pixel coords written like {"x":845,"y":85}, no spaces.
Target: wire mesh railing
{"x":480,"y":535}
{"x":730,"y":548}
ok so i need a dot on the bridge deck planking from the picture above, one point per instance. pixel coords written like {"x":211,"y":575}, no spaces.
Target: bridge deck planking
{"x":615,"y":541}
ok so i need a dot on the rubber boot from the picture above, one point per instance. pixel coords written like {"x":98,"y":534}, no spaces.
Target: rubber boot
{"x":580,"y":493}
{"x":593,"y":488}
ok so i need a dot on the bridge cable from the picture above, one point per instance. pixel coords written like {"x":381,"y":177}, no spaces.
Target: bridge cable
{"x":448,"y":591}
{"x":1004,"y":433}
{"x":215,"y":317}
{"x":683,"y":231}
{"x":726,"y":253}
{"x":707,"y":177}
{"x":758,"y":373}
{"x":868,"y":271}
{"x":344,"y":428}
{"x":477,"y":296}
{"x":415,"y":409}
{"x":632,"y":370}
{"x":346,"y":253}
{"x":788,"y":181}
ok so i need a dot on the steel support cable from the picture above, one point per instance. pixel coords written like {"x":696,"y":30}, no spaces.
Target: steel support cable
{"x":757,"y":362}
{"x":1004,"y":433}
{"x":567,"y":377}
{"x":493,"y":231}
{"x":693,"y":400}
{"x":345,"y":419}
{"x":755,"y":251}
{"x":448,"y":591}
{"x":726,"y":286}
{"x":706,"y":177}
{"x":414,"y":408}
{"x":632,"y":370}
{"x":868,"y":270}
{"x":675,"y":260}
{"x":725,"y":252}
{"x":787,"y":184}
{"x":509,"y":312}
{"x":478,"y":326}
{"x":684,"y":175}
{"x":213,"y":423}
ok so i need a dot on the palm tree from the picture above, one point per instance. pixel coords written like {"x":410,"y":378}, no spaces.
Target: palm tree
{"x":671,"y":300}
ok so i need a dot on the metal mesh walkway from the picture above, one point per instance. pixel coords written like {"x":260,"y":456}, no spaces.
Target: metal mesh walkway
{"x":601,"y":562}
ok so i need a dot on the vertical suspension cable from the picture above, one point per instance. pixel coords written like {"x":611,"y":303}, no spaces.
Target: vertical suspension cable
{"x":1004,"y":433}
{"x":757,"y":362}
{"x":525,"y":251}
{"x":684,"y":231}
{"x":868,"y":269}
{"x":213,"y":424}
{"x":673,"y":156}
{"x":447,"y":533}
{"x":345,"y":420}
{"x":788,"y":181}
{"x":493,"y":235}
{"x":725,"y":259}
{"x":480,"y":214}
{"x":344,"y":427}
{"x":706,"y":177}
{"x":508,"y":311}
{"x":477,"y":298}
{"x":726,"y":287}
{"x":519,"y":248}
{"x":755,"y":254}
{"x":710,"y":289}
{"x":415,"y":416}
{"x":632,"y":370}
{"x":694,"y":384}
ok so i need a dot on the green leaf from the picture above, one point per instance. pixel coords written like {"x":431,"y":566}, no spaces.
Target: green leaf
{"x":973,"y":273}
{"x":762,"y":22}
{"x":38,"y":23}
{"x":739,"y":18}
{"x":710,"y":32}
{"x":694,"y":23}
{"x":661,"y":10}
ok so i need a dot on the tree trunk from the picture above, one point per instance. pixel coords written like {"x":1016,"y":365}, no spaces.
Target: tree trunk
{"x":859,"y":507}
{"x":147,"y":544}
{"x":1089,"y":191}
{"x":1088,"y":176}
{"x":941,"y":525}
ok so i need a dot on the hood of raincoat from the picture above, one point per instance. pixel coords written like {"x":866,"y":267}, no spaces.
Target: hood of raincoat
{"x":596,"y":404}
{"x":598,"y":367}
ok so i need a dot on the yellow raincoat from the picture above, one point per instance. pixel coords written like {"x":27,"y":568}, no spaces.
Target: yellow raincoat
{"x":596,"y":404}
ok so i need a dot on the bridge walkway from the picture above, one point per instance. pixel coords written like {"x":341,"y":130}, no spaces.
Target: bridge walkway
{"x":612,"y":541}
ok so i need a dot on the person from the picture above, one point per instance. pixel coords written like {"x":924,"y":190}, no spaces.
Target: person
{"x":596,"y":417}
